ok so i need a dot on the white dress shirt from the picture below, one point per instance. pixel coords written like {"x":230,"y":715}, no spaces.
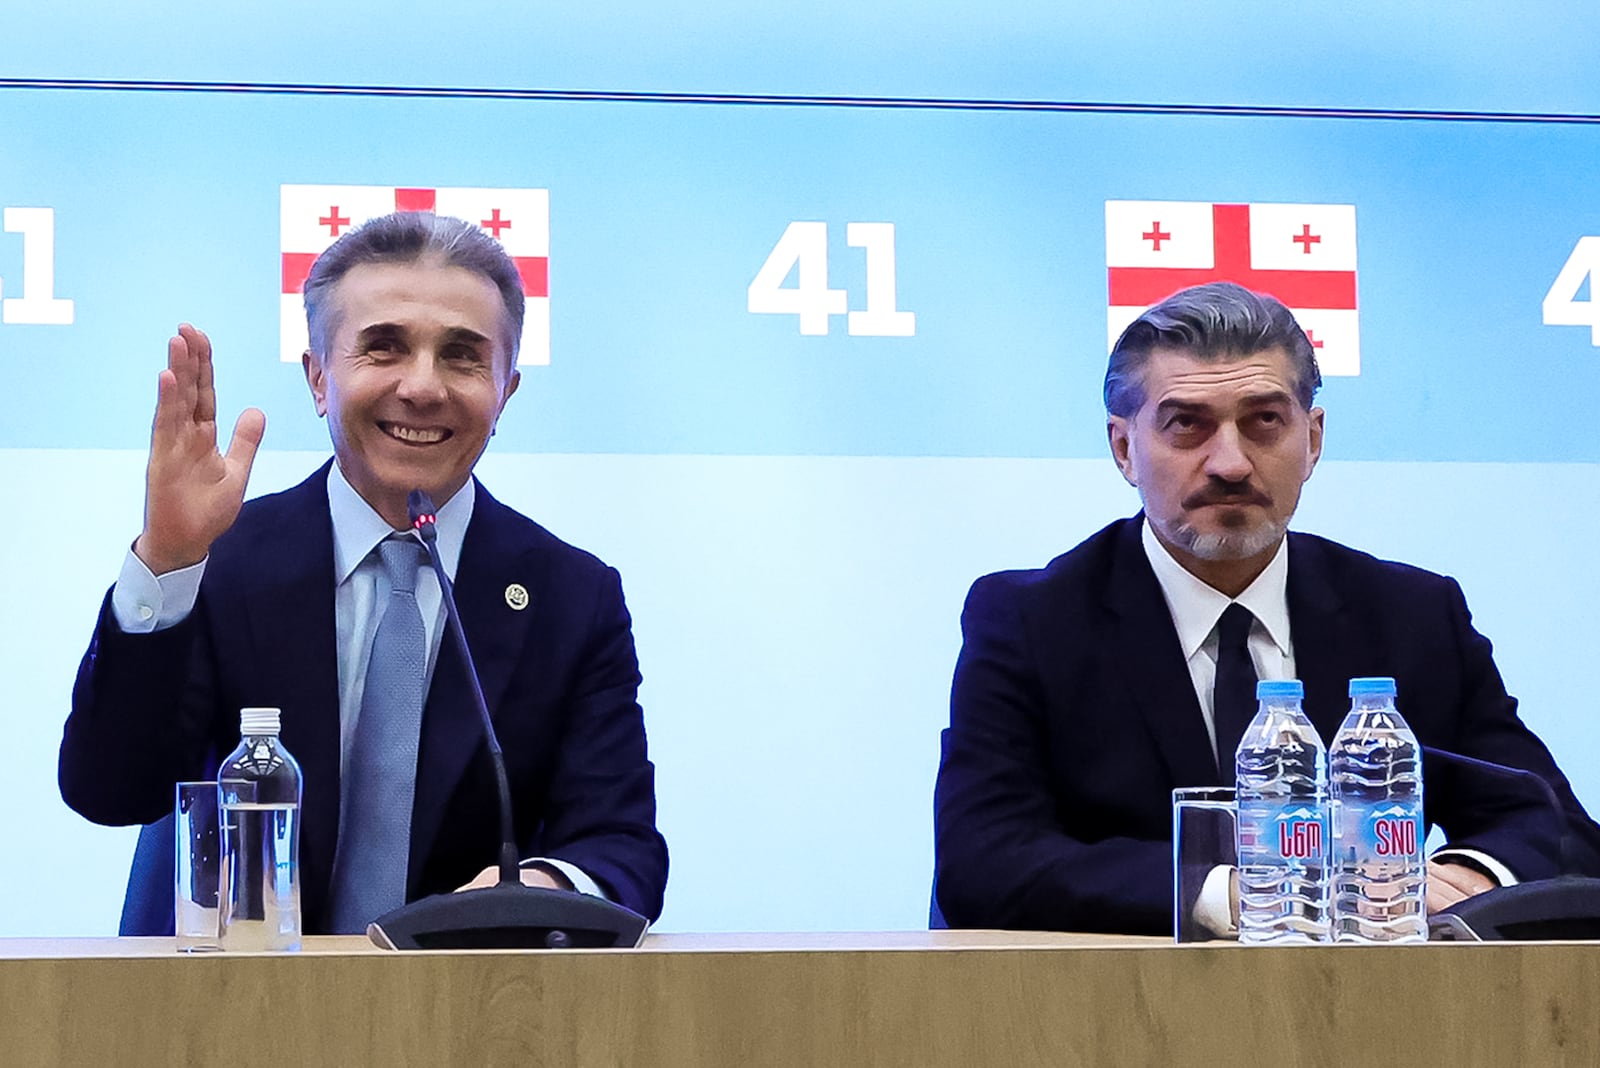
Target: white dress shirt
{"x":1196,"y":608}
{"x":142,"y":602}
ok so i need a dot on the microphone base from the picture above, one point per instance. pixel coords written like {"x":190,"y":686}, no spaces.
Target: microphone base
{"x":509,"y":916}
{"x":1566,"y":908}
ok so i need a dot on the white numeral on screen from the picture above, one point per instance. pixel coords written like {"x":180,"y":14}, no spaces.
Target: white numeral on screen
{"x":38,"y":303}
{"x":880,"y":319}
{"x":805,"y":245}
{"x":1561,"y":305}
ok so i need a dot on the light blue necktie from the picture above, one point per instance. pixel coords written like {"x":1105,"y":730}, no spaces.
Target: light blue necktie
{"x":369,"y":875}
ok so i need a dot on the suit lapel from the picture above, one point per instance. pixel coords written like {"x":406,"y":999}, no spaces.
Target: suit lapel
{"x":1329,"y":647}
{"x":1151,"y":667}
{"x":289,"y":603}
{"x":491,"y":560}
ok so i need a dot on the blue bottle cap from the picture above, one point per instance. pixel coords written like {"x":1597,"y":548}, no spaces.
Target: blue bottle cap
{"x":1279,"y":689}
{"x":1373,"y":687}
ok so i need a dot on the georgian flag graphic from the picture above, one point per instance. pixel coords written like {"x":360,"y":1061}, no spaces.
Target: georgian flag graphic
{"x":1303,"y":254}
{"x":312,"y":217}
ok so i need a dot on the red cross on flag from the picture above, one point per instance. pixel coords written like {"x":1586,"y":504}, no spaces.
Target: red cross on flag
{"x":313,"y":216}
{"x":1303,"y":254}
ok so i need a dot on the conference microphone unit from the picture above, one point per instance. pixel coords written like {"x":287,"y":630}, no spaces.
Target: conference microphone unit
{"x":1566,"y":907}
{"x":508,"y":915}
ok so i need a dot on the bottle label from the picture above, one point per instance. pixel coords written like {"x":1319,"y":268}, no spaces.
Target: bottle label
{"x":1299,"y":838}
{"x":1296,"y":832}
{"x":1388,"y":831}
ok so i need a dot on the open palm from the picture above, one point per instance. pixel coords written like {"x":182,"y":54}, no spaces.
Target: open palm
{"x":193,"y":492}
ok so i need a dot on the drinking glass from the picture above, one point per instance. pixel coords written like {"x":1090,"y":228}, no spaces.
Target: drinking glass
{"x":1203,"y":822}
{"x":197,"y":868}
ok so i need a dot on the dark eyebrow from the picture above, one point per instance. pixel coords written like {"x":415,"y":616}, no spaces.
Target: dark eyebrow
{"x":454,"y":335}
{"x":377,"y":331}
{"x":463,"y":335}
{"x":1172,"y":407}
{"x":1268,"y":399}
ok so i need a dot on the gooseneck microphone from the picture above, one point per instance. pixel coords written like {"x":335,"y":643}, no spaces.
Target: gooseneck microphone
{"x":507,"y":915}
{"x":424,"y":521}
{"x":1565,"y":907}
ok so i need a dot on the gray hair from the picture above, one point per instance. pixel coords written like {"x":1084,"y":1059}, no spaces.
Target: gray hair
{"x":1215,"y":321}
{"x":408,"y":237}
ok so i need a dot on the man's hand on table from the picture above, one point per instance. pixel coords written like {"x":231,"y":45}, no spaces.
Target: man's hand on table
{"x":540,"y":877}
{"x":1449,"y":884}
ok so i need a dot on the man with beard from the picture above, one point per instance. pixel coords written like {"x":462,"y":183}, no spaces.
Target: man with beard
{"x":1087,"y":691}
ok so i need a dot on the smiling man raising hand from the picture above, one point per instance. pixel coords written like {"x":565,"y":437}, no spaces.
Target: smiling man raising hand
{"x":414,"y":321}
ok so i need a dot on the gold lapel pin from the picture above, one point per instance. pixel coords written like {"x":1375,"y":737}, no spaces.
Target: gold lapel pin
{"x":517,"y":596}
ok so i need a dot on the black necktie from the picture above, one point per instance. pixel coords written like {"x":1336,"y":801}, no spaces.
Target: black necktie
{"x":1233,"y":700}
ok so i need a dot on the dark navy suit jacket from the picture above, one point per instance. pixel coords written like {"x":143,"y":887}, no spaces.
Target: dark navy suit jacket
{"x":560,"y":677}
{"x":1073,"y":717}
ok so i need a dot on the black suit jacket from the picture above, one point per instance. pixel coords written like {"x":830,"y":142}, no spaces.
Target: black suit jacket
{"x":560,"y":677}
{"x":1073,"y":717}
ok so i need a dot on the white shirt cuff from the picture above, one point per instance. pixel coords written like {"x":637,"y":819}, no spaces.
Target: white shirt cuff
{"x":1213,"y":909}
{"x":575,"y":875}
{"x":142,"y":602}
{"x":1499,"y":870}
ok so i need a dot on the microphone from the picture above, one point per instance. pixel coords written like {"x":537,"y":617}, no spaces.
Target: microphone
{"x":507,"y":915}
{"x":1566,"y":907}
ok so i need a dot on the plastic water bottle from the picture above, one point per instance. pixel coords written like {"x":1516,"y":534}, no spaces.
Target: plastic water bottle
{"x":260,"y":799}
{"x":1375,"y":780}
{"x":1282,"y":793}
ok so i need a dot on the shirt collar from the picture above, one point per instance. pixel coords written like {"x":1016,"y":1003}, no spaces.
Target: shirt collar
{"x":357,"y":529}
{"x":1196,"y":607}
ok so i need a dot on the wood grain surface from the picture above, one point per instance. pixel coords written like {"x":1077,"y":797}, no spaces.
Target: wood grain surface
{"x":905,"y":998}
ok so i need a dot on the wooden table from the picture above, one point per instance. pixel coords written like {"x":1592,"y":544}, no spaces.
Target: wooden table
{"x":906,"y":998}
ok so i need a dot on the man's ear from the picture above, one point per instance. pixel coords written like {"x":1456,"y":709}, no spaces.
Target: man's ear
{"x":1317,"y":415}
{"x":316,"y":380}
{"x":1119,"y":434}
{"x":511,"y":387}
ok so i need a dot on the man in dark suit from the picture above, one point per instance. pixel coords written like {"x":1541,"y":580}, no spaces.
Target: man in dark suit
{"x":1087,"y":691}
{"x":414,"y":322}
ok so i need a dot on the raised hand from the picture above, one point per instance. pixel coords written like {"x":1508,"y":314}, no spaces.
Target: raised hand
{"x":192,"y":492}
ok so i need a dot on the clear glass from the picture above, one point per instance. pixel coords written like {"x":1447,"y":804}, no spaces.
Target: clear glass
{"x":259,"y":786}
{"x":1282,"y":785}
{"x":197,"y":867}
{"x":1379,"y":870}
{"x":1203,"y":838}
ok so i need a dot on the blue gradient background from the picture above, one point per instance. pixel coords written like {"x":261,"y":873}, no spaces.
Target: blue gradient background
{"x":1472,"y":55}
{"x":797,"y":519}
